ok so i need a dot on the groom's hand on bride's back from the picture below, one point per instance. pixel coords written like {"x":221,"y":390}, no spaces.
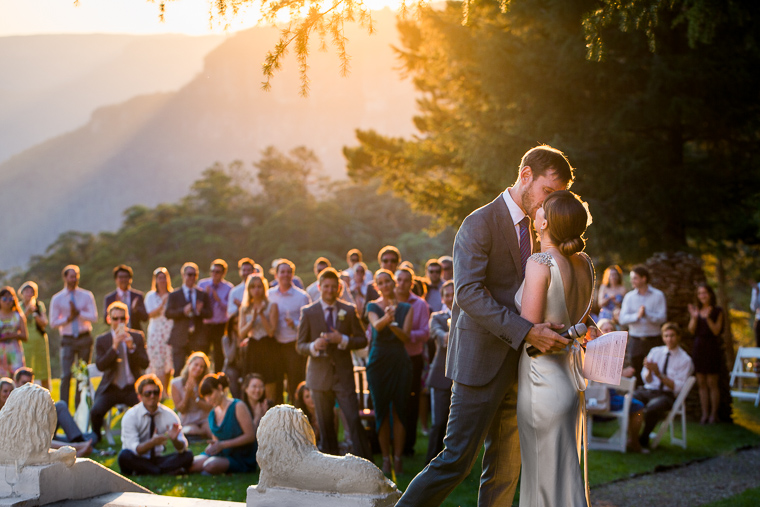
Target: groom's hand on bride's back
{"x":544,"y":338}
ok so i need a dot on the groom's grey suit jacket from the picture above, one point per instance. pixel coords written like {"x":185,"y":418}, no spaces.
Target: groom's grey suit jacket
{"x":485,"y":326}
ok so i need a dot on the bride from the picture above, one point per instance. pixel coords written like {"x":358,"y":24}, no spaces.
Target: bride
{"x":558,"y":288}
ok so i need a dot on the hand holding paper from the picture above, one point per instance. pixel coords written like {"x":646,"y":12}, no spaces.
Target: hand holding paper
{"x":604,"y":358}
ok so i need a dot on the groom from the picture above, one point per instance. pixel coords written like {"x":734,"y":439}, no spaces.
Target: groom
{"x":490,"y":251}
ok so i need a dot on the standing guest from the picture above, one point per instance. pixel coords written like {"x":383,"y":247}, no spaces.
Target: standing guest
{"x":754,"y":305}
{"x":296,"y":281}
{"x":159,"y":327}
{"x":36,"y":349}
{"x":706,"y":324}
{"x":359,"y":286}
{"x":145,"y":430}
{"x":643,"y":311}
{"x":246,"y":267}
{"x":257,"y":325}
{"x":305,"y":402}
{"x":120,"y":354}
{"x":312,"y":290}
{"x":218,"y":290}
{"x":328,"y":331}
{"x":434,"y":282}
{"x":192,"y":409}
{"x":122,"y":275}
{"x":611,"y":292}
{"x":187,"y":307}
{"x":418,"y":338}
{"x":255,"y":398}
{"x":447,"y":267}
{"x":440,"y":386}
{"x":389,"y":257}
{"x":389,"y":369}
{"x":73,"y":311}
{"x":289,"y":300}
{"x":666,"y":369}
{"x":233,"y":449}
{"x":12,"y":332}
{"x":354,"y":257}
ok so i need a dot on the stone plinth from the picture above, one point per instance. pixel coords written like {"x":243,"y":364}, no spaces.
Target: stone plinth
{"x":43,"y":484}
{"x":287,"y":497}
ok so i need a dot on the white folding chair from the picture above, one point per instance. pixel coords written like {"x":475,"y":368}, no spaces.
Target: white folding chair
{"x":94,"y":372}
{"x":366,"y":411}
{"x":739,"y":373}
{"x":618,"y":441}
{"x":679,"y":409}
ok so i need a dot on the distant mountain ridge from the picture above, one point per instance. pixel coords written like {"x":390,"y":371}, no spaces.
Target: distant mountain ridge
{"x":151,"y":148}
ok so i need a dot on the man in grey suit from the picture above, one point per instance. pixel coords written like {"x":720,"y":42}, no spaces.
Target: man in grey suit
{"x":327,"y":331}
{"x":490,"y":251}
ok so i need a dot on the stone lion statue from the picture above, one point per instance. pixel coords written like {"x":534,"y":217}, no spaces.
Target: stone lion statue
{"x":289,"y":458}
{"x":27,"y":424}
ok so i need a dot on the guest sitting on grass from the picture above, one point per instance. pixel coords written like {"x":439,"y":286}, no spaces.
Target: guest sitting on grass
{"x":233,"y":449}
{"x":254,"y":396}
{"x":306,"y":404}
{"x":146,"y":428}
{"x":192,"y":410}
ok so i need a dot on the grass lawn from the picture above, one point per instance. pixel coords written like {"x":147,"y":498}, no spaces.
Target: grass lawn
{"x":703,"y":441}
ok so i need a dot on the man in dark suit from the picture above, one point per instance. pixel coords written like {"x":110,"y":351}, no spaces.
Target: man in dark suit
{"x":134,"y":299}
{"x":120,"y":354}
{"x":187,"y":307}
{"x":490,"y":251}
{"x":328,"y":329}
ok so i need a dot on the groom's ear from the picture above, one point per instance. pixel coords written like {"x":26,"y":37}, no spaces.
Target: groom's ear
{"x":526,"y":174}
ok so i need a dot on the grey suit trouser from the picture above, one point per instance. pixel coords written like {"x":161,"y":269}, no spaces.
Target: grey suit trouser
{"x":324,"y":404}
{"x":485,"y":414}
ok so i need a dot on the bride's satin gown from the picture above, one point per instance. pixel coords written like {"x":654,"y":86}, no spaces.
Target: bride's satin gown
{"x":548,"y":408}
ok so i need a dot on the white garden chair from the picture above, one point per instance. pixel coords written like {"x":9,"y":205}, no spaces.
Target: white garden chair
{"x":618,"y":441}
{"x":739,"y":373}
{"x":679,"y":409}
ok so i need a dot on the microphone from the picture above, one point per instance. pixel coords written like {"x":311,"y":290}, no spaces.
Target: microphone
{"x":573,"y":332}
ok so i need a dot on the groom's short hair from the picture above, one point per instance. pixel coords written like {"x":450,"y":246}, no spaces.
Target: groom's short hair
{"x":544,"y":158}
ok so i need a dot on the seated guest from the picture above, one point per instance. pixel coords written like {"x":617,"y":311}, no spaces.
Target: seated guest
{"x":440,"y":386}
{"x":146,"y":428}
{"x":254,"y":396}
{"x":6,"y":386}
{"x":305,"y":402}
{"x":233,"y":449}
{"x":120,"y":354}
{"x":665,"y":371}
{"x":192,"y":409}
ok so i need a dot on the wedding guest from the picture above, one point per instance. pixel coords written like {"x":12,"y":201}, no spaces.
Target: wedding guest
{"x":611,"y":292}
{"x":440,"y":386}
{"x":255,"y":398}
{"x":312,"y":290}
{"x":289,"y":300}
{"x":353,"y":258}
{"x":245,"y":269}
{"x":36,"y":348}
{"x":6,"y":386}
{"x":296,"y":280}
{"x":134,"y":299}
{"x":665,"y":371}
{"x":187,"y":306}
{"x":418,"y":338}
{"x":447,"y":267}
{"x":434,"y":283}
{"x":12,"y":332}
{"x":389,"y":257}
{"x":706,"y":324}
{"x":120,"y":354}
{"x":218,"y":290}
{"x":192,"y":409}
{"x":389,"y":369}
{"x":145,"y":430}
{"x":305,"y":402}
{"x":754,"y":305}
{"x":328,"y":331}
{"x":643,"y":310}
{"x":72,"y":312}
{"x":257,"y":325}
{"x":159,"y":327}
{"x":233,"y":449}
{"x":359,"y":286}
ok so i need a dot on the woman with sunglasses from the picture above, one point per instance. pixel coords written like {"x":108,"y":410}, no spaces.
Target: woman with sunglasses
{"x":12,"y":332}
{"x":159,"y":327}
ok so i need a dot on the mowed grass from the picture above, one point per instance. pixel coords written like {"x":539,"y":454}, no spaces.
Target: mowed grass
{"x":604,"y":466}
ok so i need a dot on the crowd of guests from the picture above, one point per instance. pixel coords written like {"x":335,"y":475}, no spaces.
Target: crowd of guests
{"x":228,"y":353}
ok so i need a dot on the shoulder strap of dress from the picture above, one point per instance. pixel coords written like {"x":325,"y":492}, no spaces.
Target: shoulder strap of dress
{"x":593,"y":284}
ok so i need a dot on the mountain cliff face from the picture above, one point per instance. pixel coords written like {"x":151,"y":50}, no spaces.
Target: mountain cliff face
{"x":151,"y":148}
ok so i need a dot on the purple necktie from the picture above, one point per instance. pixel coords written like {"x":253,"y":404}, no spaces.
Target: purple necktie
{"x":329,"y":319}
{"x":524,"y":243}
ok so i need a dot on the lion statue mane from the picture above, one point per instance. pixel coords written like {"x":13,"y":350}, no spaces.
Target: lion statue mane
{"x":289,"y":458}
{"x":27,"y":424}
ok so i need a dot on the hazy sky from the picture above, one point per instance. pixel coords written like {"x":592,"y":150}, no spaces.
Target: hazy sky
{"x":24,"y":17}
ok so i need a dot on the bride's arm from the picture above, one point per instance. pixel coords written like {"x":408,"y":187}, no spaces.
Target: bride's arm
{"x":537,"y":277}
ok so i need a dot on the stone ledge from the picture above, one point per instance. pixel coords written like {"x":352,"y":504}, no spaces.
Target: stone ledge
{"x":287,"y":497}
{"x":143,"y":500}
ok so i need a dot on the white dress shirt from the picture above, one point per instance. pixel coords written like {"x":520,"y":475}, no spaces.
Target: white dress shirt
{"x":516,"y":213}
{"x":655,"y":314}
{"x":135,"y":428}
{"x":289,"y":304}
{"x":680,"y":368}
{"x":60,"y":310}
{"x":237,"y":292}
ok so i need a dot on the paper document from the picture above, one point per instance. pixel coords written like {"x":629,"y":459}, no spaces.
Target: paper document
{"x":604,"y":358}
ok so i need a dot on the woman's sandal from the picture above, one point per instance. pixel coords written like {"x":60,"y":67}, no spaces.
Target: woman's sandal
{"x":398,"y":467}
{"x":386,"y":465}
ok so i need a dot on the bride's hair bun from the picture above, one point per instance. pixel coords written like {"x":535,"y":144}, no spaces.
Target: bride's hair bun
{"x":567,"y":218}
